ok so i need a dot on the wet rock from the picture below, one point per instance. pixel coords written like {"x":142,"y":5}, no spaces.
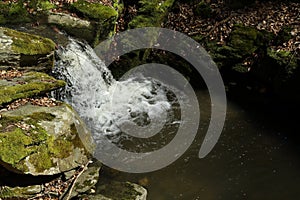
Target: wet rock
{"x":25,"y":51}
{"x":43,"y":140}
{"x":119,"y":190}
{"x":28,"y":85}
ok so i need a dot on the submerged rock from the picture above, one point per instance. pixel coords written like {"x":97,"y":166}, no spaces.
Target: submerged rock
{"x":28,"y":85}
{"x":25,"y":51}
{"x":119,"y":190}
{"x":43,"y":140}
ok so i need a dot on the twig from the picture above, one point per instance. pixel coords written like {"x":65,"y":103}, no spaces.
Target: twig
{"x":80,"y":173}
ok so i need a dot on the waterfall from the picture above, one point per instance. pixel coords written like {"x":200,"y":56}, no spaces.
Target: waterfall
{"x":101,"y":101}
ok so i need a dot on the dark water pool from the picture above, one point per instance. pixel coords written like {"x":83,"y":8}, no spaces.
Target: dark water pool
{"x":257,"y":157}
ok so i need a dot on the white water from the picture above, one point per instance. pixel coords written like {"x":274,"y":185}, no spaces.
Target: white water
{"x":104,"y":103}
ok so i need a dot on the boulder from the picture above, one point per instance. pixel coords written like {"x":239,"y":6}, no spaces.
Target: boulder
{"x":25,"y":51}
{"x":28,"y":84}
{"x":40,"y":140}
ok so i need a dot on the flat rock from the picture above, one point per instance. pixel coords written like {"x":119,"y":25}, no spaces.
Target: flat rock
{"x":30,"y":84}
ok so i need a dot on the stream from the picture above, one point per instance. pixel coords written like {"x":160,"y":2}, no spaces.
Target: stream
{"x":256,"y":156}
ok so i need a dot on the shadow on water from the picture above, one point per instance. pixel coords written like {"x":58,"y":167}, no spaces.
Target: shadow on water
{"x":257,"y":156}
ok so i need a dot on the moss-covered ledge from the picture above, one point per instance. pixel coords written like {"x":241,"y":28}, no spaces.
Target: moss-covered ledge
{"x":94,"y":11}
{"x":103,"y":19}
{"x":22,"y":50}
{"x":30,"y":84}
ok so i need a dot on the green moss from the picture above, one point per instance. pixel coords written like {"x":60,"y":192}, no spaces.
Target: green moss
{"x":95,"y":10}
{"x":8,"y":121}
{"x":28,"y":44}
{"x":17,"y":144}
{"x":41,"y":159}
{"x":13,"y":146}
{"x":61,"y":147}
{"x":42,"y":116}
{"x":45,"y":5}
{"x":36,"y":83}
{"x":244,"y":39}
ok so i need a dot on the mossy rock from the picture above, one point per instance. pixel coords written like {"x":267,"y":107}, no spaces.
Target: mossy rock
{"x":21,"y":49}
{"x":245,"y":39}
{"x":29,"y":85}
{"x":151,"y":13}
{"x":43,"y":140}
{"x":242,"y":43}
{"x":28,"y":44}
{"x":94,"y":11}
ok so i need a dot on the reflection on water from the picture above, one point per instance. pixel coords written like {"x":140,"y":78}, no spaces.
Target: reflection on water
{"x":254,"y":159}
